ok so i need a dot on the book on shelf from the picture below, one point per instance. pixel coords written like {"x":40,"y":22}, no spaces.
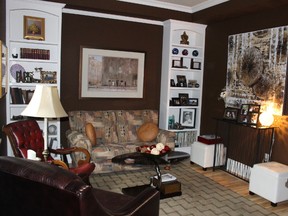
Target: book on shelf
{"x":20,"y":96}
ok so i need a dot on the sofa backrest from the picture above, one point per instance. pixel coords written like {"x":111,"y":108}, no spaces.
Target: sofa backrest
{"x":112,"y":126}
{"x":37,"y":188}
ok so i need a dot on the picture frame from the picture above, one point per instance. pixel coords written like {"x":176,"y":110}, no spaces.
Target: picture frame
{"x":177,"y":63}
{"x":29,"y":95}
{"x":195,"y":65}
{"x":188,"y":117}
{"x":181,"y":81}
{"x":48,"y":77}
{"x":183,"y":99}
{"x":176,"y":102}
{"x":111,"y":73}
{"x":192,"y":101}
{"x":231,"y":113}
{"x":34,"y":28}
{"x":249,"y":114}
{"x":3,"y":69}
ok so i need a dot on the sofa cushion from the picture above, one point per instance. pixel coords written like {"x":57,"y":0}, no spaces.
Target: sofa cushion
{"x":148,"y":132}
{"x":90,"y":133}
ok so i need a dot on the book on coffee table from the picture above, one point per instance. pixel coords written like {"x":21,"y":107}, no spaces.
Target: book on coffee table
{"x":166,"y":177}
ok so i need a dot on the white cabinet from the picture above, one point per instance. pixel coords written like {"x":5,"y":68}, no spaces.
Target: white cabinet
{"x":181,"y":80}
{"x":33,"y":56}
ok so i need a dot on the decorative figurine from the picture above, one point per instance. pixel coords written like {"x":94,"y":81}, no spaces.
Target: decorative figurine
{"x":184,"y":38}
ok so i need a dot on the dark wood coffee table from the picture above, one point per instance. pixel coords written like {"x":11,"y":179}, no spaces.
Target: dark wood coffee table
{"x":145,"y":159}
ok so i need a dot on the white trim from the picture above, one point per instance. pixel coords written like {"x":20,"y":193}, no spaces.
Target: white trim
{"x":177,"y":7}
{"x":111,"y":16}
{"x":209,"y":3}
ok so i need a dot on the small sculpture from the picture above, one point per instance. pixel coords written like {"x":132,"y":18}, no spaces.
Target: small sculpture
{"x":184,"y":38}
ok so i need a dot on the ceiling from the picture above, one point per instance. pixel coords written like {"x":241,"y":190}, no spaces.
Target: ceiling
{"x":189,"y":6}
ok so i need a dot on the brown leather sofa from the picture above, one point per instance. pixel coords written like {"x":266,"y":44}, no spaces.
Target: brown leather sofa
{"x":36,"y":188}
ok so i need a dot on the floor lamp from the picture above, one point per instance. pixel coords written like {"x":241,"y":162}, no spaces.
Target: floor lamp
{"x":45,"y":103}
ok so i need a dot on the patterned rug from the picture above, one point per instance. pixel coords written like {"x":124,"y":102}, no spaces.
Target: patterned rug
{"x":200,"y":195}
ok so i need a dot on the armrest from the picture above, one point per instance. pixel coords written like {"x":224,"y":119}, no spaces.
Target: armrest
{"x":79,"y":140}
{"x":71,"y":150}
{"x":167,"y":138}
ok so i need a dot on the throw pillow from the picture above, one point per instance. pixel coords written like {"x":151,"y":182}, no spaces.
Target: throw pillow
{"x":90,"y":133}
{"x":147,"y":132}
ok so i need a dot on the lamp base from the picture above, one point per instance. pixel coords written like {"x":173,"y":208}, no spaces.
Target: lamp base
{"x":45,"y":154}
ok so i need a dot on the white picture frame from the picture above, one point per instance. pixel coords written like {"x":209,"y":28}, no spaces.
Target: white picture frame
{"x":111,"y":73}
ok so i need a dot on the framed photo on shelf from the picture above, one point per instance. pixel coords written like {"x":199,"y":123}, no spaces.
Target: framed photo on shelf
{"x":249,"y":114}
{"x":195,"y":65}
{"x":230,"y":113}
{"x":183,"y":99}
{"x":48,"y":76}
{"x":192,"y":101}
{"x":176,"y":102}
{"x":181,"y":81}
{"x":187,"y":118}
{"x":34,"y":28}
{"x":177,"y":63}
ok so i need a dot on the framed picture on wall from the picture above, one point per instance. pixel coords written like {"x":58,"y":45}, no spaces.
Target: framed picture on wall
{"x":111,"y":73}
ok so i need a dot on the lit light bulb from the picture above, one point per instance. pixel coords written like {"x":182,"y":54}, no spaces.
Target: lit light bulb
{"x":266,"y":119}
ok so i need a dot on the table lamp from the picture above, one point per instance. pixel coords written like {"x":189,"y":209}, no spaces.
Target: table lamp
{"x":45,"y":103}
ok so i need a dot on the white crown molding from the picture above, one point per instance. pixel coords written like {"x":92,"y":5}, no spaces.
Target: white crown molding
{"x":177,"y":7}
{"x":111,"y":16}
{"x":159,"y":4}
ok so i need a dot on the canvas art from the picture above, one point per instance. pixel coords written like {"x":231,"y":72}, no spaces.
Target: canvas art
{"x":256,"y":69}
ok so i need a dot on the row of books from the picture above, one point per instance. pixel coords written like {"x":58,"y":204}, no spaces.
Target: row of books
{"x":28,"y":53}
{"x":185,"y":138}
{"x":20,"y":96}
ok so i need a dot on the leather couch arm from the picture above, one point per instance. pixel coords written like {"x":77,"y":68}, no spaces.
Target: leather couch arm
{"x":167,"y":138}
{"x":145,"y":203}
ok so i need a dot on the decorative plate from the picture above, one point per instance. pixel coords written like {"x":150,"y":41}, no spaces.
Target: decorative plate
{"x":14,"y":68}
{"x":185,"y":52}
{"x":175,"y":51}
{"x":52,"y":130}
{"x":195,"y":53}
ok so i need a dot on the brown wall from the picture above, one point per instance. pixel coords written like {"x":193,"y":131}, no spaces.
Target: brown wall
{"x":114,"y":35}
{"x":215,"y":70}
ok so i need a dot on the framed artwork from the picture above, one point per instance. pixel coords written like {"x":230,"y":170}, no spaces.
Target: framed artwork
{"x":34,"y":28}
{"x":230,"y":113}
{"x":253,"y":74}
{"x":187,"y":118}
{"x":111,"y":73}
{"x":249,"y":114}
{"x":192,"y":101}
{"x":3,"y":69}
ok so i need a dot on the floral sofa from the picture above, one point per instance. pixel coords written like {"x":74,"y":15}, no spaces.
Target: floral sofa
{"x":116,"y":134}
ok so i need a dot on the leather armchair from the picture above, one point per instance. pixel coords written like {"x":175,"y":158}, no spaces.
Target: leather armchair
{"x":34,"y":188}
{"x":24,"y":135}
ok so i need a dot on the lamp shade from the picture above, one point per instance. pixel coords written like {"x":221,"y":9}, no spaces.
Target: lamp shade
{"x":266,"y":119}
{"x":45,"y":103}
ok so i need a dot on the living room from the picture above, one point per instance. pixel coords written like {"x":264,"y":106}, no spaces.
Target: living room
{"x":101,"y":25}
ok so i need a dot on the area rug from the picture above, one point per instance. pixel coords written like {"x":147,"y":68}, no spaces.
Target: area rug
{"x":200,"y":195}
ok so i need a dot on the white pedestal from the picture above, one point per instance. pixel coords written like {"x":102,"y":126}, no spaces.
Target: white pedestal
{"x":203,"y":154}
{"x":270,"y":181}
